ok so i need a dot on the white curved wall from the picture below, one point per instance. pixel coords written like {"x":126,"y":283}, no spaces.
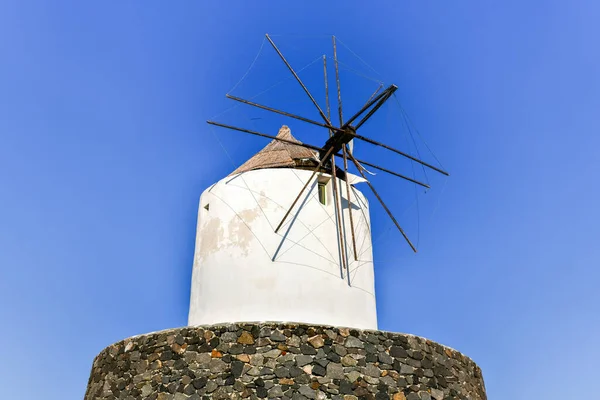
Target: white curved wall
{"x":244,"y":271}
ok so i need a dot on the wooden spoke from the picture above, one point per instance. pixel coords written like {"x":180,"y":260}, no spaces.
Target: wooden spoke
{"x":376,"y":107}
{"x":337,"y":80}
{"x":287,"y":114}
{"x":315,"y":148}
{"x":349,"y":203}
{"x":369,"y":104}
{"x":308,"y":146}
{"x":341,"y":117}
{"x":366,"y":139}
{"x":299,"y":81}
{"x":390,"y":172}
{"x":375,"y":93}
{"x":387,"y":210}
{"x":316,"y":170}
{"x":336,"y":201}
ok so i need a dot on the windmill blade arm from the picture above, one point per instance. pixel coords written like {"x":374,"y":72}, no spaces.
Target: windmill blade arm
{"x":299,"y":81}
{"x":391,"y":88}
{"x":311,"y":147}
{"x":371,"y":141}
{"x":348,"y":191}
{"x":377,"y":106}
{"x":287,"y":114}
{"x":336,"y":195}
{"x":387,"y":171}
{"x":375,"y":93}
{"x":387,"y":210}
{"x":337,"y":81}
{"x":235,"y":128}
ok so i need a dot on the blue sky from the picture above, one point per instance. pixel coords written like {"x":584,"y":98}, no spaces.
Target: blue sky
{"x":104,"y":152}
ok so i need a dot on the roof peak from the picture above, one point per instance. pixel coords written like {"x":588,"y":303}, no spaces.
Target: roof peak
{"x":285,"y":131}
{"x":278,"y":154}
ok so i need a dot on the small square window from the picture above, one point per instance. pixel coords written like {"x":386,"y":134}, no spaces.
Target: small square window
{"x":323,"y":193}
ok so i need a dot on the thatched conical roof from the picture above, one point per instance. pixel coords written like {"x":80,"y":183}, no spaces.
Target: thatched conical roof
{"x":278,"y":154}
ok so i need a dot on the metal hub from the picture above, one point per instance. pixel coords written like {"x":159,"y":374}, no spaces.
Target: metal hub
{"x":338,"y":140}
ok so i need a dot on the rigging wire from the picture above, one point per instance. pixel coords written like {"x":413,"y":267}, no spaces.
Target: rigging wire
{"x":418,"y":207}
{"x":311,"y":231}
{"x":251,"y":66}
{"x":338,"y":40}
{"x":383,"y":235}
{"x":357,"y":56}
{"x":407,"y":118}
{"x":377,"y":239}
{"x":251,"y":121}
{"x":439,"y":199}
{"x":408,"y":123}
{"x":267,"y":89}
{"x":288,"y":78}
{"x":243,"y":180}
{"x":412,"y":166}
{"x":244,"y":222}
{"x":405,"y":121}
{"x":263,"y":212}
{"x":350,"y":69}
{"x":322,"y":35}
{"x":413,"y":203}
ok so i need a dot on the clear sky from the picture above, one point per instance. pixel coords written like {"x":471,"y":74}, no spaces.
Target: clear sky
{"x":104,"y":152}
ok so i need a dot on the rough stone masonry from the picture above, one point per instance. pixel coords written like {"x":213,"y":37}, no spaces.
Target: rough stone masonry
{"x":282,"y":361}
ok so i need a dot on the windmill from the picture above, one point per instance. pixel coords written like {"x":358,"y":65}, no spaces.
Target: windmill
{"x":267,"y":326}
{"x":284,"y":251}
{"x":338,"y":143}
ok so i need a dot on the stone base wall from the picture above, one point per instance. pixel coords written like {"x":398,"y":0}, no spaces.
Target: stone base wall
{"x":282,"y":361}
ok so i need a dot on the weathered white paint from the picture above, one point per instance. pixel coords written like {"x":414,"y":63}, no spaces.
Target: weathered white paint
{"x":244,"y":271}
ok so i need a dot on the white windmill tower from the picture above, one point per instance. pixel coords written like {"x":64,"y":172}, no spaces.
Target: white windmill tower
{"x":265,"y":252}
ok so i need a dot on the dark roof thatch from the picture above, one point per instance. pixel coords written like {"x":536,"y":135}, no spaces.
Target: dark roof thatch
{"x":278,"y":154}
